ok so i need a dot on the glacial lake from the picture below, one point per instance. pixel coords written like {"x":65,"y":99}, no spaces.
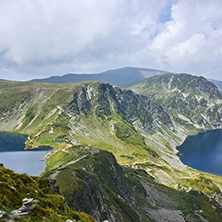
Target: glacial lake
{"x":14,"y":157}
{"x":203,"y":152}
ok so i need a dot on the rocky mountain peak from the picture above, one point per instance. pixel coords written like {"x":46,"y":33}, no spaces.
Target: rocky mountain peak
{"x":187,"y":98}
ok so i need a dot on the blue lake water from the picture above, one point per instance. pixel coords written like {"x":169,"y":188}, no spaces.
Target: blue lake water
{"x":203,"y":152}
{"x":13,"y":155}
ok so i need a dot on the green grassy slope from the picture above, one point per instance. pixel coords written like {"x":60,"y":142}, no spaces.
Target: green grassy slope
{"x":49,"y":206}
{"x":93,"y":182}
{"x":87,"y":113}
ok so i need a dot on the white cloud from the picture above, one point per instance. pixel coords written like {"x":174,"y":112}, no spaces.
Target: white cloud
{"x":192,"y":41}
{"x":51,"y":31}
{"x":51,"y":37}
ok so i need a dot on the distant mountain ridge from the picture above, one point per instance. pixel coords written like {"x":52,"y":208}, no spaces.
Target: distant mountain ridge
{"x":116,"y":77}
{"x":217,"y":83}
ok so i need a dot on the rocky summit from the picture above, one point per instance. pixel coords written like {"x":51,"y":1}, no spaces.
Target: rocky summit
{"x":187,"y":98}
{"x":114,"y":150}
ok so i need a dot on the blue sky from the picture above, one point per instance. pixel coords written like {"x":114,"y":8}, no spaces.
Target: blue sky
{"x":52,"y":37}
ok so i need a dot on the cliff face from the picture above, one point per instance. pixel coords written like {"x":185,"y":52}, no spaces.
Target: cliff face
{"x":23,"y":105}
{"x":102,"y":100}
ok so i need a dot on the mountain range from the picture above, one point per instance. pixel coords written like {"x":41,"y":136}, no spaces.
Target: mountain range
{"x":117,"y":77}
{"x":114,"y":149}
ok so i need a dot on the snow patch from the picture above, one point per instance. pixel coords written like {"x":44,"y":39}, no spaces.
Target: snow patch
{"x":175,"y":89}
{"x":169,"y":84}
{"x":210,"y":105}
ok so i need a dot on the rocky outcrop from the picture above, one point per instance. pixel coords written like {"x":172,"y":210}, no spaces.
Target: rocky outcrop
{"x":26,"y":208}
{"x":25,"y":198}
{"x":190,"y":101}
{"x":103,"y":99}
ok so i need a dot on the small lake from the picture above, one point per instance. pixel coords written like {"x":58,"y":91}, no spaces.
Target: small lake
{"x":203,"y":152}
{"x":14,"y":157}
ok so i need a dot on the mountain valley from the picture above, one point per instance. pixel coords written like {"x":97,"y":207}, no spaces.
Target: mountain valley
{"x":114,"y":150}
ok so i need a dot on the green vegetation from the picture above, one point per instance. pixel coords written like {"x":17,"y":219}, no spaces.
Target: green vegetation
{"x":49,"y":205}
{"x":10,"y":99}
{"x":202,"y":184}
{"x":97,"y":183}
{"x":129,"y":135}
{"x":58,"y":159}
{"x":209,"y":210}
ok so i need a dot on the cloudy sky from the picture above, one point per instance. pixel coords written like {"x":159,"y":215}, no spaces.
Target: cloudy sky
{"x":52,"y":37}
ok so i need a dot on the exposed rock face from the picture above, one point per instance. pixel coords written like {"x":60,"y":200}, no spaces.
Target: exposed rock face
{"x":199,"y":120}
{"x":103,"y":99}
{"x":159,"y":114}
{"x":183,"y":95}
{"x":40,"y":110}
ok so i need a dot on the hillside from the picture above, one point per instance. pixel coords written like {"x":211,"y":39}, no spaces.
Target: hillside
{"x":189,"y":100}
{"x":87,"y":113}
{"x":116,"y":77}
{"x":79,"y":119}
{"x":46,"y":205}
{"x":95,"y":183}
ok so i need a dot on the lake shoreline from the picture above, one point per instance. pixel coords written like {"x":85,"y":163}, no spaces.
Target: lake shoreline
{"x":13,"y":154}
{"x":203,"y":152}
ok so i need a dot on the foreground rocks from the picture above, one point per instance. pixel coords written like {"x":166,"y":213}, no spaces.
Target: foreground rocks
{"x":26,"y":208}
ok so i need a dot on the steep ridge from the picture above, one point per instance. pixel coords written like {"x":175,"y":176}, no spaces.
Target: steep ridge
{"x":134,"y":128}
{"x":93,"y":182}
{"x":217,"y":83}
